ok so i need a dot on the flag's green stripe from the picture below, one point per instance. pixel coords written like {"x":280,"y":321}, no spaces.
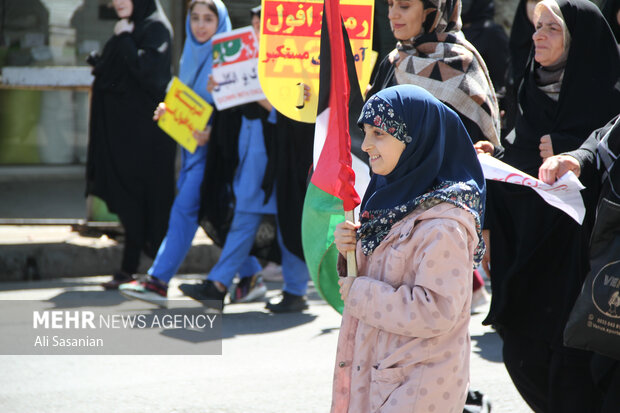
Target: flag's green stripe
{"x":322,"y":212}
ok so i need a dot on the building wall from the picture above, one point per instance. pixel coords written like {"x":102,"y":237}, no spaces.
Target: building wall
{"x":51,"y":127}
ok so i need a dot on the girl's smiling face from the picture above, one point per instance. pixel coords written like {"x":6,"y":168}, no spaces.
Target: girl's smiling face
{"x":383,"y":149}
{"x":203,"y":22}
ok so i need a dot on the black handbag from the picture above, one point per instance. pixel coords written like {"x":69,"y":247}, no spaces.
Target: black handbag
{"x":594,"y":323}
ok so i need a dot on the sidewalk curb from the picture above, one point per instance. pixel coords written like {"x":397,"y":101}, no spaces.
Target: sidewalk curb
{"x":48,"y":260}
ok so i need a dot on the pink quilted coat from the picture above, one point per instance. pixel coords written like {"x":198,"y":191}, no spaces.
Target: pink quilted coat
{"x":404,"y":343}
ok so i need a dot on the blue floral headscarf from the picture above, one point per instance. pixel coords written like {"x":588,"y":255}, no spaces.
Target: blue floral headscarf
{"x":197,"y":58}
{"x":439,"y":163}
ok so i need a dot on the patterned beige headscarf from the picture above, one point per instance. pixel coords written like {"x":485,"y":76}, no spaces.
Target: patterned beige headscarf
{"x":443,"y":62}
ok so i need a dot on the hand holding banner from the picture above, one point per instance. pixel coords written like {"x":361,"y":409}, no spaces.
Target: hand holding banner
{"x":563,"y":194}
{"x":185,"y":113}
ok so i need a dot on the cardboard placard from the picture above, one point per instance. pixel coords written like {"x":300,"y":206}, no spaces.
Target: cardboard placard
{"x":289,"y":53}
{"x":235,"y":63}
{"x":185,"y":113}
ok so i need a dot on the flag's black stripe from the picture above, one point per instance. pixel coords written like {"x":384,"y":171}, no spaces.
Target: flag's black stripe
{"x":325,"y":71}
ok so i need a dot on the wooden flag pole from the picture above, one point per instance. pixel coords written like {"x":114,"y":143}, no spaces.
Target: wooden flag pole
{"x":351,"y":261}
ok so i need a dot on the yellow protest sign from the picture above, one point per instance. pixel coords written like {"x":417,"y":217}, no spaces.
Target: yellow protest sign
{"x":185,"y":113}
{"x":289,"y":52}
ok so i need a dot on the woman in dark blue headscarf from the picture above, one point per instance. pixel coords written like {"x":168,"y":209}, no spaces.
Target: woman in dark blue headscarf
{"x":416,"y":246}
{"x":205,"y":19}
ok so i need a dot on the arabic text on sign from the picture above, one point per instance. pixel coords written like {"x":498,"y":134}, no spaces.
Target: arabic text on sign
{"x":230,"y":78}
{"x":182,"y":96}
{"x":304,"y":19}
{"x":181,"y":120}
{"x":357,"y":57}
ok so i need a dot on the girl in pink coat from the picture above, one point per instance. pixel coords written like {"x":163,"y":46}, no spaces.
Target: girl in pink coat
{"x":404,"y":343}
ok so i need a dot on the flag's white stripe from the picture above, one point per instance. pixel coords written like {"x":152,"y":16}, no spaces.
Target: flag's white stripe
{"x":320,"y":134}
{"x":361,"y":169}
{"x":362,"y":179}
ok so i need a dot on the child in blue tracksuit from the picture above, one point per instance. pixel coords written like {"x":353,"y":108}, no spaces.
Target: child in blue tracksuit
{"x":250,"y":208}
{"x":205,"y":18}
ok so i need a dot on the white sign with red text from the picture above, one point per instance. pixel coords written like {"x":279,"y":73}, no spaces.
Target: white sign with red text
{"x":563,"y":194}
{"x":235,"y":65}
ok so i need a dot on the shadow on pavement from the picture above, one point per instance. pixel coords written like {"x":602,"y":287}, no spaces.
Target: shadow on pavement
{"x":488,"y":346}
{"x":258,"y":322}
{"x":233,"y":324}
{"x":89,"y":298}
{"x":329,"y":330}
{"x":236,"y":324}
{"x":85,"y":294}
{"x":311,"y":295}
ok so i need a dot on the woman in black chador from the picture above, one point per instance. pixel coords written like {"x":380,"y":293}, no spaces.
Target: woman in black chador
{"x":539,"y":255}
{"x":130,"y":160}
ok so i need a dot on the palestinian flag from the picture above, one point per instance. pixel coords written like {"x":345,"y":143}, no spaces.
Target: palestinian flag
{"x":332,"y":189}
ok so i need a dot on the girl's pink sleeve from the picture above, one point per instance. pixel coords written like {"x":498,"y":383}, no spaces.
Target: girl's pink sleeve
{"x":435,"y":287}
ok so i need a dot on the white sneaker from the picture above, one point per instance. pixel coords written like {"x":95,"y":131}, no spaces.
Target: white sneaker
{"x":145,"y":290}
{"x":479,"y":298}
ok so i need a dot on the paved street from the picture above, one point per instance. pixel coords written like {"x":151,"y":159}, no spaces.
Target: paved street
{"x":270,"y":363}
